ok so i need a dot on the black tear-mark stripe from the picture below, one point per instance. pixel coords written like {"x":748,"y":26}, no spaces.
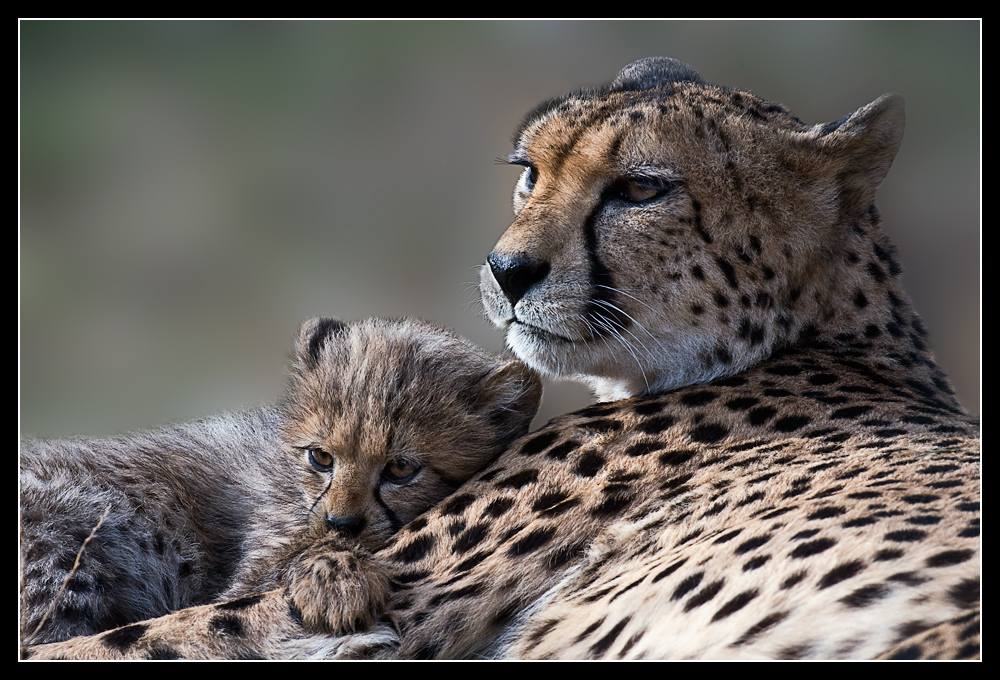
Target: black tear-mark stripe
{"x":603,"y":308}
{"x":390,"y":515}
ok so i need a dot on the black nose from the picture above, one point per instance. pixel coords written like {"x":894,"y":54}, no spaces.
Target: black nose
{"x":348,"y":526}
{"x":517,"y":274}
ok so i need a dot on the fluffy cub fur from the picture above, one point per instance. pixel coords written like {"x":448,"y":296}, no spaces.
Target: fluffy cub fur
{"x":381,"y":419}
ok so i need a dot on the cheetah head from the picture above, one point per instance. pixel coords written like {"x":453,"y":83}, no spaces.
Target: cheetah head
{"x":385,"y":418}
{"x":669,"y":232}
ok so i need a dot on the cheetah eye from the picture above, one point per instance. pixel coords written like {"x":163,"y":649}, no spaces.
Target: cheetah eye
{"x":532,"y":176}
{"x":320,"y":459}
{"x":641,"y":189}
{"x":530,"y":173}
{"x":400,"y":471}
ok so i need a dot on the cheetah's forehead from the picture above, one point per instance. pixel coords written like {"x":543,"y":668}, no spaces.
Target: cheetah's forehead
{"x":560,"y":122}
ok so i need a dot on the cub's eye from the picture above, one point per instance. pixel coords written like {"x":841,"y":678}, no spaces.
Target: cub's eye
{"x":320,"y":459}
{"x":400,"y":471}
{"x":641,"y":190}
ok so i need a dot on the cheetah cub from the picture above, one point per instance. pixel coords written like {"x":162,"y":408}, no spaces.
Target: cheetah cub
{"x":381,"y":419}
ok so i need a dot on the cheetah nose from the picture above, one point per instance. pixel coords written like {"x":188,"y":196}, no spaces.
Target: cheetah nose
{"x":516,"y":274}
{"x":348,"y":526}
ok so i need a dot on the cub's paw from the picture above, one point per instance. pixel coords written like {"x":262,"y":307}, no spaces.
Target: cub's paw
{"x":338,"y":589}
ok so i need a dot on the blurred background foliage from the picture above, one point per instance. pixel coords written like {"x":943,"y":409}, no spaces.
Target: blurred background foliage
{"x":191,"y":191}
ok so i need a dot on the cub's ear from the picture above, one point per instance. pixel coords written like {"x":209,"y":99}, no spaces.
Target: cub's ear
{"x":510,"y":394}
{"x":313,"y":335}
{"x":859,"y":148}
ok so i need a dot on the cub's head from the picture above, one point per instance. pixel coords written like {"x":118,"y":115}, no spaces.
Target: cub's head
{"x":386,"y":417}
{"x":668,"y":231}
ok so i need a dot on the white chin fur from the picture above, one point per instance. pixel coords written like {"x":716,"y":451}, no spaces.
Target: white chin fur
{"x":612,"y":372}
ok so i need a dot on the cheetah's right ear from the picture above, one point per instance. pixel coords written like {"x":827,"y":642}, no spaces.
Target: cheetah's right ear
{"x":859,"y":148}
{"x":313,"y":334}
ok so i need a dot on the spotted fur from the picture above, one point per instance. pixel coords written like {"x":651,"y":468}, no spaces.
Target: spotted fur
{"x":381,"y":420}
{"x":779,"y":469}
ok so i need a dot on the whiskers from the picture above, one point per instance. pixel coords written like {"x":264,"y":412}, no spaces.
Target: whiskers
{"x":604,"y":321}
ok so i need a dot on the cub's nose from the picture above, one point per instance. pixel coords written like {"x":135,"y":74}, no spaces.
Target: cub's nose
{"x":348,"y":526}
{"x":516,"y":274}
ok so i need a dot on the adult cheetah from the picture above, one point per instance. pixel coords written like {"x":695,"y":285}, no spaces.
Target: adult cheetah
{"x":785,"y":472}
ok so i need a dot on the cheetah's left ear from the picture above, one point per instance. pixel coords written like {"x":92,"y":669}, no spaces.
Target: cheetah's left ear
{"x":313,"y":335}
{"x":862,"y":145}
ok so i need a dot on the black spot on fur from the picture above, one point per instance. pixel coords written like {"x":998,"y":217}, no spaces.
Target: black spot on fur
{"x":415,"y":550}
{"x":948,"y":558}
{"x":760,"y":415}
{"x":226,"y":624}
{"x":470,"y":539}
{"x":669,"y":570}
{"x":498,"y":507}
{"x":728,"y":271}
{"x":751,"y":544}
{"x":708,"y":433}
{"x":741,"y":403}
{"x":294,"y":612}
{"x":538,"y":443}
{"x":905,"y":536}
{"x":851,"y":412}
{"x":792,"y":580}
{"x":603,"y":425}
{"x":865,"y":595}
{"x":554,"y":504}
{"x":704,"y":595}
{"x":965,"y":594}
{"x":531,"y":542}
{"x":687,"y":585}
{"x":561,"y":451}
{"x":728,"y":536}
{"x":791,"y":423}
{"x":756,"y":562}
{"x":618,"y":498}
{"x":590,"y":464}
{"x":657,"y":425}
{"x":599,"y":648}
{"x":920,"y":498}
{"x":876,"y":272}
{"x":518,"y":479}
{"x":735,"y":604}
{"x":841,"y":572}
{"x":827,"y":512}
{"x":241,"y":603}
{"x":698,"y":398}
{"x":908,"y":578}
{"x":416,"y":525}
{"x":162,"y":653}
{"x":813,"y":548}
{"x":457,"y":504}
{"x":908,"y":653}
{"x":640,"y":449}
{"x":122,"y":639}
{"x":764,"y":624}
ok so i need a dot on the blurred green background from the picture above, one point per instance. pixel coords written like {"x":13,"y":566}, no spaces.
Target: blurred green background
{"x":191,"y":191}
